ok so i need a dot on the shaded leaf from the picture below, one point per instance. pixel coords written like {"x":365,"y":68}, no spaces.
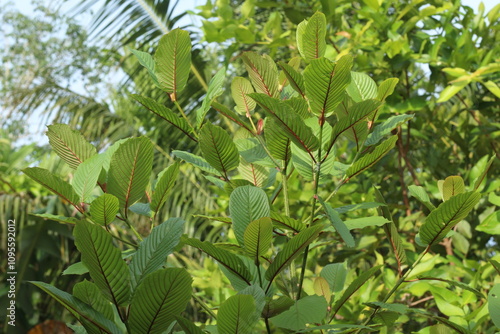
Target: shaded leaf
{"x":69,"y":144}
{"x":196,"y":160}
{"x":226,"y":112}
{"x":77,"y":268}
{"x":483,"y":173}
{"x":187,"y":325}
{"x":335,"y":274}
{"x":286,"y":223}
{"x":338,"y":224}
{"x":235,"y":315}
{"x":166,"y":180}
{"x":294,"y":77}
{"x":258,"y":237}
{"x":308,"y":310}
{"x":419,"y":193}
{"x":90,"y":294}
{"x":372,"y":158}
{"x":385,"y":128}
{"x":277,"y":142}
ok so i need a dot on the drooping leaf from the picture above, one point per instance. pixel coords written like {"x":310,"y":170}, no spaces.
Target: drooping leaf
{"x":353,"y":287}
{"x":154,"y":249}
{"x":277,"y":142}
{"x":386,"y":88}
{"x":55,"y":184}
{"x":247,"y":204}
{"x":104,"y":208}
{"x":86,"y":176}
{"x":226,"y":112}
{"x":335,"y":274}
{"x":453,"y":185}
{"x":337,"y":223}
{"x":146,"y":60}
{"x":441,"y":220}
{"x":173,"y":61}
{"x":187,"y":325}
{"x":69,"y":144}
{"x":294,"y":77}
{"x":196,"y":160}
{"x":90,"y":294}
{"x":372,"y":158}
{"x":166,"y":180}
{"x":313,"y":39}
{"x":164,"y":113}
{"x":287,"y":223}
{"x":258,"y":237}
{"x":236,"y":314}
{"x":106,"y":267}
{"x":325,"y":84}
{"x":79,"y":309}
{"x":419,"y":193}
{"x":160,"y":297}
{"x":294,"y":62}
{"x":385,"y":128}
{"x":218,"y":149}
{"x":227,"y":259}
{"x":289,"y":121}
{"x":308,"y":310}
{"x":240,"y":87}
{"x":291,"y":250}
{"x":56,"y":218}
{"x":215,"y":89}
{"x":262,"y":72}
{"x":362,"y":87}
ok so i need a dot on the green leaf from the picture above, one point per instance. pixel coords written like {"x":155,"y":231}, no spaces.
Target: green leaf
{"x":90,"y":294}
{"x":154,"y":249}
{"x":129,"y":171}
{"x":490,"y":224}
{"x":274,"y":307}
{"x":294,"y":77}
{"x":372,"y":158}
{"x":335,"y":274}
{"x":104,"y":209}
{"x":55,"y":184}
{"x":362,"y":87}
{"x":381,"y":130}
{"x":160,"y":297}
{"x":360,"y":206}
{"x":386,"y":88}
{"x":313,"y":43}
{"x":258,"y":237}
{"x":240,"y":87}
{"x":69,"y":144}
{"x":254,"y":173}
{"x":146,"y":60}
{"x":215,"y":89}
{"x":196,"y":160}
{"x":308,"y":310}
{"x":79,"y":309}
{"x":452,"y":90}
{"x":419,"y":193}
{"x":86,"y":176}
{"x":326,"y":82}
{"x":173,"y":61}
{"x":483,"y":172}
{"x":104,"y":261}
{"x":218,"y":149}
{"x":354,"y":286}
{"x":247,"y":204}
{"x":226,"y":112}
{"x":289,"y":121}
{"x":187,"y":325}
{"x":262,"y":72}
{"x":236,"y":315}
{"x":338,"y":224}
{"x":227,"y":259}
{"x":292,"y":249}
{"x":301,"y":29}
{"x":446,"y":216}
{"x":286,"y":223}
{"x":277,"y":142}
{"x":365,"y":222}
{"x":166,"y":180}
{"x":56,"y":218}
{"x":453,"y":185}
{"x":164,"y":113}
{"x":77,"y":268}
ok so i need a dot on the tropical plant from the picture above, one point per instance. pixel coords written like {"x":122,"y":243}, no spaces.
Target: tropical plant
{"x":296,"y":258}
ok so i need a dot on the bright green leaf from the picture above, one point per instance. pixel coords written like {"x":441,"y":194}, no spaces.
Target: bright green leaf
{"x":258,"y":237}
{"x":372,"y":158}
{"x":218,"y":149}
{"x":104,"y":209}
{"x":240,"y":87}
{"x":215,"y":89}
{"x":166,"y":180}
{"x":362,"y":87}
{"x":263,"y":73}
{"x":69,"y":144}
{"x":86,"y":176}
{"x":453,"y":185}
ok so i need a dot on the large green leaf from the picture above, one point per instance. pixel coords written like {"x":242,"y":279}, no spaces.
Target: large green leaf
{"x":173,"y":61}
{"x":165,"y":113}
{"x":440,"y":221}
{"x":372,"y":158}
{"x":247,"y":204}
{"x":240,"y":87}
{"x":362,"y":87}
{"x":453,"y":185}
{"x":55,"y":184}
{"x":254,"y":173}
{"x":292,"y":249}
{"x":86,"y":176}
{"x":308,"y":310}
{"x":262,"y":72}
{"x":385,"y":128}
{"x":226,"y":112}
{"x":289,"y":121}
{"x":215,"y":89}
{"x":227,"y":259}
{"x":69,"y":144}
{"x":166,"y":180}
{"x":154,"y":249}
{"x":494,"y":304}
{"x":236,"y":315}
{"x":277,"y":142}
{"x":313,"y":44}
{"x":287,"y":223}
{"x":419,"y":193}
{"x":130,"y":170}
{"x":337,"y":223}
{"x":104,"y":209}
{"x":106,"y":267}
{"x":188,"y":326}
{"x":218,"y":149}
{"x":386,"y":88}
{"x":196,"y":160}
{"x":294,"y":77}
{"x":258,"y":237}
{"x":79,"y":309}
{"x":335,"y":274}
{"x":146,"y":60}
{"x":325,"y":84}
{"x":160,"y":297}
{"x":90,"y":294}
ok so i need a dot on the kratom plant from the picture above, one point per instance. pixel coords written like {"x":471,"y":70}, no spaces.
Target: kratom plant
{"x":292,"y":126}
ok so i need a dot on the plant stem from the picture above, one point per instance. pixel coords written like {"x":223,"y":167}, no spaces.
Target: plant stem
{"x":204,"y":306}
{"x":184,"y":115}
{"x":285,"y":189}
{"x":266,"y":320}
{"x":133,"y":229}
{"x":261,"y":141}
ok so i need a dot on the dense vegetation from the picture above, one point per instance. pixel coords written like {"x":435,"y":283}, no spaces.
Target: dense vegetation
{"x":309,"y":168}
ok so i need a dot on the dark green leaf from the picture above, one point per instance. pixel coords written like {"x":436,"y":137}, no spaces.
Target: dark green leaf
{"x":372,"y":158}
{"x":166,"y":180}
{"x":419,"y":193}
{"x":385,"y":128}
{"x":286,"y":223}
{"x":218,"y":149}
{"x":90,"y":294}
{"x":313,"y":43}
{"x":295,"y":78}
{"x":335,"y":274}
{"x":196,"y":160}
{"x":236,"y":315}
{"x":308,"y":310}
{"x":338,"y":224}
{"x":258,"y":237}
